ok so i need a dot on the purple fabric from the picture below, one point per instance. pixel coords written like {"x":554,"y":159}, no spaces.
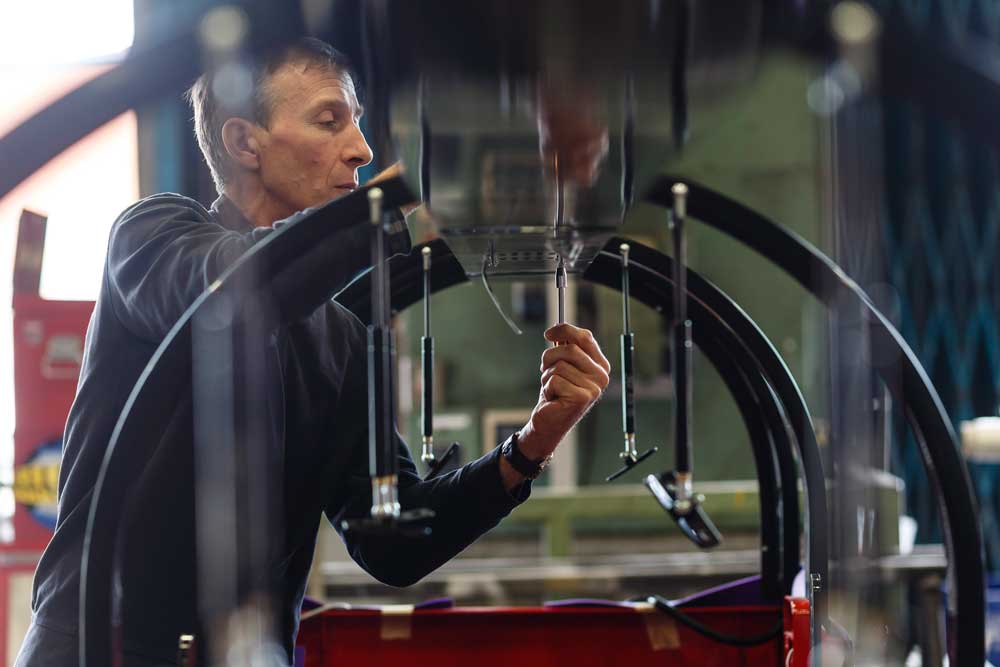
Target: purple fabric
{"x":308,"y":603}
{"x":300,"y":656}
{"x":436,"y":603}
{"x":740,"y":592}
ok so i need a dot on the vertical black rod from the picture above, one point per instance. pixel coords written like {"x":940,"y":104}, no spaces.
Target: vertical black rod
{"x":382,"y":462}
{"x":628,"y":372}
{"x":683,"y":415}
{"x":427,"y":360}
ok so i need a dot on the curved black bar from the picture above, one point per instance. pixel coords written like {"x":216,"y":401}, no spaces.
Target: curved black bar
{"x":276,"y":266}
{"x":779,"y":377}
{"x":775,"y":501}
{"x":272,"y":259}
{"x":714,"y":339}
{"x":908,"y":383}
{"x":143,"y":76}
{"x":652,"y":287}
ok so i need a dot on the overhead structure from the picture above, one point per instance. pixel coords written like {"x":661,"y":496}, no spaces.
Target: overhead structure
{"x":568,"y":105}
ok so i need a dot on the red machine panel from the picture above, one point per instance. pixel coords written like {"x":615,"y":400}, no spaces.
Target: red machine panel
{"x":535,"y":637}
{"x":48,"y":350}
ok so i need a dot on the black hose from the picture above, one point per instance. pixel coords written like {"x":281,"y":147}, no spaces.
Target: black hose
{"x":702,"y":629}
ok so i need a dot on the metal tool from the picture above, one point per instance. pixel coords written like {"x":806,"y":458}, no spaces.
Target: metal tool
{"x":630,"y":457}
{"x":675,"y":490}
{"x":386,"y":515}
{"x":435,"y":465}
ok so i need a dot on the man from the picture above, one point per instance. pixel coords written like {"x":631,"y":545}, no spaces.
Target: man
{"x":301,"y":147}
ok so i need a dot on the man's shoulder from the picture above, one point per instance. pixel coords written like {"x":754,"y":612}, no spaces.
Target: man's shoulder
{"x":167,"y":205}
{"x":343,"y":319}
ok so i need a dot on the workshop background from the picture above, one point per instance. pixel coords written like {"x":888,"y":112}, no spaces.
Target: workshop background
{"x":763,"y":131}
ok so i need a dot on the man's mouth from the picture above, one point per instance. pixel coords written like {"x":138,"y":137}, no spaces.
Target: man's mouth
{"x":347,"y":186}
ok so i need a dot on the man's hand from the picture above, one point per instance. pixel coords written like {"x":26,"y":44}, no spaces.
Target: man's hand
{"x":574,"y":375}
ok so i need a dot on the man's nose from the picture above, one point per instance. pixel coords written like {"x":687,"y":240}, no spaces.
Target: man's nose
{"x":358,"y":152}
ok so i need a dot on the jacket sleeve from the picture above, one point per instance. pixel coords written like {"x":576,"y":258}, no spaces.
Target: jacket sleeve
{"x":164,"y":252}
{"x":467,"y":502}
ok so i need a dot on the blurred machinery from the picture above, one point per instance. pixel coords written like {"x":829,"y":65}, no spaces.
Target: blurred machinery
{"x":568,"y":107}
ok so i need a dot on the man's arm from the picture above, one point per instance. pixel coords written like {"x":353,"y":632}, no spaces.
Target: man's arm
{"x":473,"y":499}
{"x":162,"y":253}
{"x":467,"y":503}
{"x":166,"y":251}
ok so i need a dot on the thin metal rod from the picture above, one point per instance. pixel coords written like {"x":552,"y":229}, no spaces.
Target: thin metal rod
{"x":383,"y":464}
{"x":626,"y":311}
{"x":683,"y":413}
{"x":561,"y":290}
{"x":427,"y":363}
{"x":379,"y":278}
{"x":629,"y":455}
{"x":426,"y":252}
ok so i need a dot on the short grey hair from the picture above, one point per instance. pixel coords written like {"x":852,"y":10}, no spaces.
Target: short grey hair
{"x":210,"y":115}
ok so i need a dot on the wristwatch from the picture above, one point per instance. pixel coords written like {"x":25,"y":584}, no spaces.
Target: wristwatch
{"x":521,"y":463}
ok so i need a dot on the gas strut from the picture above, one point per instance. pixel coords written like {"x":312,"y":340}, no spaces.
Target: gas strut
{"x":675,"y":490}
{"x":630,"y":457}
{"x":383,"y":464}
{"x":435,"y":465}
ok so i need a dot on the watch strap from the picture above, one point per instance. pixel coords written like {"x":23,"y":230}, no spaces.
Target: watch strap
{"x":521,"y":463}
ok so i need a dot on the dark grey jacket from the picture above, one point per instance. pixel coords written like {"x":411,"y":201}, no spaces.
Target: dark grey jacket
{"x":163,"y":253}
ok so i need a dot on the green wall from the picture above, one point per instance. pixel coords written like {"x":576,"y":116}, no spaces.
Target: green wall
{"x":759,"y":144}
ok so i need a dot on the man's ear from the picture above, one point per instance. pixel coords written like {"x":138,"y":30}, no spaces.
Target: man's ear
{"x":239,"y":136}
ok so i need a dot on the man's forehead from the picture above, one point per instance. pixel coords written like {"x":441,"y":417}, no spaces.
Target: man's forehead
{"x":302,"y":81}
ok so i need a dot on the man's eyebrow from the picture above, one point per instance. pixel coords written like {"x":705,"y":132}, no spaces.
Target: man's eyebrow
{"x":327,"y":102}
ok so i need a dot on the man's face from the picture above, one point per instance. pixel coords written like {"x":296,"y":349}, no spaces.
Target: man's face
{"x":312,"y":146}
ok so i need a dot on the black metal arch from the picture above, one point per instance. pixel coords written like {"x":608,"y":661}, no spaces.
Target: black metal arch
{"x":273,"y":272}
{"x":767,"y":362}
{"x":270,"y":263}
{"x":908,"y":384}
{"x":146,"y":73}
{"x":716,"y":336}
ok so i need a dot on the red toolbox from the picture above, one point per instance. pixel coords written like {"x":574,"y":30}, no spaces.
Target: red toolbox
{"x":583,"y":636}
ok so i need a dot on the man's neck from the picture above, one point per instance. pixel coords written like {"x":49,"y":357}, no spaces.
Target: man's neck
{"x":256,"y":205}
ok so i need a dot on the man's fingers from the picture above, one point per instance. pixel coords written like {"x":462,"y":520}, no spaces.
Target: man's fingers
{"x":573,"y":374}
{"x":574,"y":355}
{"x":559,"y":387}
{"x":567,"y":333}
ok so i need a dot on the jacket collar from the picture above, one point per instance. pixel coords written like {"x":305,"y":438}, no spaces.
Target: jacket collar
{"x":229,"y":216}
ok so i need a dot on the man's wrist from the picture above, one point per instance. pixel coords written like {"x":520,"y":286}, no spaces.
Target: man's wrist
{"x":532,"y":445}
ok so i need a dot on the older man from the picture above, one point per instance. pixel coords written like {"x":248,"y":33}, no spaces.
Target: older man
{"x":300,"y":145}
